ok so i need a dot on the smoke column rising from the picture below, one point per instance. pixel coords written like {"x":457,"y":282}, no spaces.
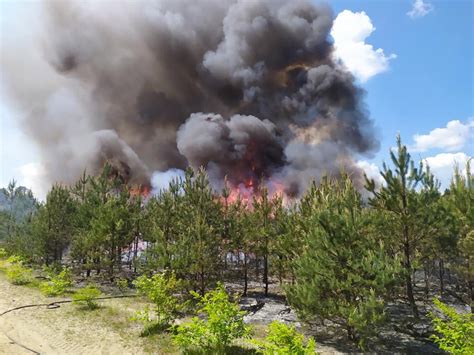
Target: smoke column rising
{"x":247,"y":89}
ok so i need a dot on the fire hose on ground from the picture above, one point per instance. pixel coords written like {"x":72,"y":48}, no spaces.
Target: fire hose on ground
{"x":51,"y":305}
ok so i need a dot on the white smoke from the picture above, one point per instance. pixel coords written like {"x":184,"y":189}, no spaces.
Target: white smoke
{"x":160,"y":180}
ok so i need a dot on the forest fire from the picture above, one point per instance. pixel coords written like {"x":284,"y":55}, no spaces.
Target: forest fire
{"x":139,"y":190}
{"x":211,"y":179}
{"x":251,"y":188}
{"x":233,"y":97}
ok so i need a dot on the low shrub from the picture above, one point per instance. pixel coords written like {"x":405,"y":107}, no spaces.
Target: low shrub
{"x":283,"y":339}
{"x":223,"y":323}
{"x":16,"y":272}
{"x":86,"y":297}
{"x":160,"y":289}
{"x":3,"y":261}
{"x":456,"y":331}
{"x":15,"y":259}
{"x":52,"y":269}
{"x":58,"y":284}
{"x":122,"y":284}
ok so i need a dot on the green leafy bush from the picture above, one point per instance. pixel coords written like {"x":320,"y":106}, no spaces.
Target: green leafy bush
{"x":52,"y":269}
{"x":58,"y":284}
{"x":456,"y":330}
{"x":122,"y":284}
{"x":3,"y":262}
{"x":223,"y":324}
{"x":15,"y":259}
{"x":16,"y":273}
{"x":283,"y":339}
{"x":160,"y":290}
{"x":86,"y":296}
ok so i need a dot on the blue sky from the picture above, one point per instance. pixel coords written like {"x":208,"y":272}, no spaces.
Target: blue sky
{"x":431,"y":80}
{"x":429,"y":83}
{"x":424,"y":80}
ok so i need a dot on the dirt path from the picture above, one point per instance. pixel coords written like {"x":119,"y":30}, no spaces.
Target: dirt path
{"x":52,"y":331}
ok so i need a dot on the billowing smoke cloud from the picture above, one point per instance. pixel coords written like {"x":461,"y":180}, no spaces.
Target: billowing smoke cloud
{"x":160,"y":180}
{"x":241,"y":147}
{"x":246,"y":89}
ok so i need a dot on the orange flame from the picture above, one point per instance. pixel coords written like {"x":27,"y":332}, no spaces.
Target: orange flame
{"x":139,"y":190}
{"x":246,"y":191}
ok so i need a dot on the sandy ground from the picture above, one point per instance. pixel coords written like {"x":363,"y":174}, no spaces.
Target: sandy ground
{"x":66,"y":330}
{"x":52,"y":331}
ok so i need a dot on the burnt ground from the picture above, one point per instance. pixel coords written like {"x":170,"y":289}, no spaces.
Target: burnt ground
{"x":402,"y":333}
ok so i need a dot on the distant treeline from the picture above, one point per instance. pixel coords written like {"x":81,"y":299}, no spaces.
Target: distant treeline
{"x":336,"y":255}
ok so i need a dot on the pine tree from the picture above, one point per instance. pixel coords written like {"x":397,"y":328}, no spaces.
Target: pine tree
{"x":460,"y":199}
{"x":91,"y":193}
{"x":264,"y":231}
{"x":53,"y":224}
{"x":238,"y":231}
{"x":242,"y":237}
{"x":201,"y":237}
{"x":285,"y":244}
{"x":434,"y":229}
{"x":112,"y":228}
{"x":343,"y":270}
{"x":17,"y":206}
{"x":399,"y":198}
{"x":161,"y":228}
{"x":185,"y":226}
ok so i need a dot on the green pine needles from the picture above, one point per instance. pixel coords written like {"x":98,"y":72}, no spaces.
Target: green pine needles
{"x":344,"y":271}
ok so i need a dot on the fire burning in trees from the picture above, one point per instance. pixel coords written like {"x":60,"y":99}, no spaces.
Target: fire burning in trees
{"x":246,"y":89}
{"x":247,"y":190}
{"x":139,"y":190}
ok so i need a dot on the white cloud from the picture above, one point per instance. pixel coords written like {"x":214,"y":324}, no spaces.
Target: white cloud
{"x":350,"y":30}
{"x":32,"y":176}
{"x":371,"y":170}
{"x":442,"y":165}
{"x":420,"y":9}
{"x":451,"y":138}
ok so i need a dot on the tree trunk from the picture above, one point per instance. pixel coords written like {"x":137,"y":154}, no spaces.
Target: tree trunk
{"x":265,"y":273}
{"x":245,"y":275}
{"x":97,"y":263}
{"x":119,"y":258}
{"x":88,"y":270}
{"x":280,"y":270}
{"x":408,"y":281}
{"x":407,"y":249}
{"x":427,"y":279}
{"x":135,"y":254}
{"x":441,"y":276}
{"x":470,"y":284}
{"x":471,"y":291}
{"x":203,"y":289}
{"x":257,"y":266}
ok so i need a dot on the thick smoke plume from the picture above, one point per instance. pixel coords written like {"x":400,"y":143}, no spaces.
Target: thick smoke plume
{"x":247,"y":89}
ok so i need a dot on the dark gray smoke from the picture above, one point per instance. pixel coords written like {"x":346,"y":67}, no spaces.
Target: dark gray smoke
{"x":247,"y":89}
